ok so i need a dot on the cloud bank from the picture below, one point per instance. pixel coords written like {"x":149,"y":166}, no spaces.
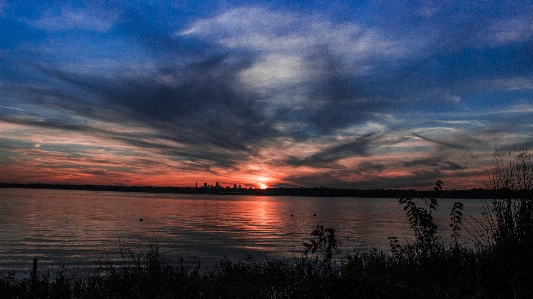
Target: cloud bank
{"x":171,"y":95}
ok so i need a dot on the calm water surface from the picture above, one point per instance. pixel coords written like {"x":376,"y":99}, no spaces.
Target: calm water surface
{"x":76,"y":228}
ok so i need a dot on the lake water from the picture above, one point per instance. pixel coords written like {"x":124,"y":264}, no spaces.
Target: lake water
{"x":77,"y":228}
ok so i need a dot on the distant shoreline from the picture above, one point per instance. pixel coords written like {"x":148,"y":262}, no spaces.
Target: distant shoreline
{"x":280,"y":191}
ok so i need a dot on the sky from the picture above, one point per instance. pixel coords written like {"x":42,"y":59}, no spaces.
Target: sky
{"x":341,"y":94}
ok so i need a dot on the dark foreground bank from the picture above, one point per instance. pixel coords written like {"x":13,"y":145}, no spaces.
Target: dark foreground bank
{"x":444,"y":273}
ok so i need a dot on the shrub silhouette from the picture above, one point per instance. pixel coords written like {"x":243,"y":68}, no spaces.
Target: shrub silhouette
{"x":512,"y":205}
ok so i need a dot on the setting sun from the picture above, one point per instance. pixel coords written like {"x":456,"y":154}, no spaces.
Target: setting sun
{"x":262,"y":186}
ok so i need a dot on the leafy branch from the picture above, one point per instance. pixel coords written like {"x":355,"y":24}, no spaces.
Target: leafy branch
{"x":421,"y":219}
{"x":325,"y":238}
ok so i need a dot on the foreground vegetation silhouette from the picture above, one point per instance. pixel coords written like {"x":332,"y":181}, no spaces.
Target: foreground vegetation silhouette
{"x":497,"y":263}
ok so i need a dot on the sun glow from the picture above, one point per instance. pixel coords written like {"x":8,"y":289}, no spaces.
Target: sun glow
{"x":263,"y":180}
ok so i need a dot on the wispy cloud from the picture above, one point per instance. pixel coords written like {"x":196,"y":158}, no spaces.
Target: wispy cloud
{"x":512,"y":30}
{"x":91,"y":16}
{"x":287,"y":33}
